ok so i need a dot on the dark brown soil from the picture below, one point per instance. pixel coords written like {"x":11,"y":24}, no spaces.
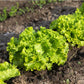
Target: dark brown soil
{"x":70,"y":73}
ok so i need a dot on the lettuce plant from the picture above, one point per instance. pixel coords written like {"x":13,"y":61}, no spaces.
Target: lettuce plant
{"x":2,"y":82}
{"x":7,"y":71}
{"x":81,"y":9}
{"x":38,"y":50}
{"x":71,"y":26}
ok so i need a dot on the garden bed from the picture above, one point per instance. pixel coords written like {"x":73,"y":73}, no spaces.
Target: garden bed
{"x":70,"y":73}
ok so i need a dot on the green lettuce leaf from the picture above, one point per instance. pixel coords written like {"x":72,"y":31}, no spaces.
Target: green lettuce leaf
{"x":8,"y":71}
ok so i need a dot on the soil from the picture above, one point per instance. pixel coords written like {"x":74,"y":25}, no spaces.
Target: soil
{"x":72,"y":72}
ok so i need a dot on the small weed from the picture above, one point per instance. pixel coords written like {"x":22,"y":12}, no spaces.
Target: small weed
{"x":32,"y":9}
{"x":36,"y":2}
{"x":54,"y":0}
{"x":67,"y":81}
{"x":79,"y":62}
{"x":60,"y":0}
{"x":16,"y":22}
{"x":14,"y":10}
{"x":21,"y":11}
{"x":3,"y":16}
{"x":27,"y":9}
{"x":42,"y":2}
{"x":49,"y":1}
{"x":33,"y":1}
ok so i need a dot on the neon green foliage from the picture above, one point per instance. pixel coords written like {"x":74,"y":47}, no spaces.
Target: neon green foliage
{"x":2,"y":82}
{"x":71,"y":26}
{"x":80,"y":10}
{"x":38,"y":50}
{"x":7,"y":71}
